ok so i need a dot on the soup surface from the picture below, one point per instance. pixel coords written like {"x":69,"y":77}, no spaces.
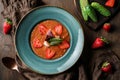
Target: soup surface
{"x":49,"y":39}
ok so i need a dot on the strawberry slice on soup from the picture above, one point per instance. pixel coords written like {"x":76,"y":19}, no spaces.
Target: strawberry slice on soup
{"x":58,"y":29}
{"x":37,"y":43}
{"x":64,"y":45}
{"x":43,"y":29}
{"x":49,"y":54}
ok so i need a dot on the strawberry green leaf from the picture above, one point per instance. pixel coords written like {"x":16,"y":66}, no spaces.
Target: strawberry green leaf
{"x":105,"y":40}
{"x":8,"y":21}
{"x":105,"y":64}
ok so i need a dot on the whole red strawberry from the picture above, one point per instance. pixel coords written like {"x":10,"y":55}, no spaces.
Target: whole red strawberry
{"x":7,"y":25}
{"x":110,"y":3}
{"x":106,"y":67}
{"x":99,"y":42}
{"x":107,"y":27}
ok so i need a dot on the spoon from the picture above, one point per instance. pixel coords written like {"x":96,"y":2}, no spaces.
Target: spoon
{"x":10,"y":63}
{"x":13,"y":64}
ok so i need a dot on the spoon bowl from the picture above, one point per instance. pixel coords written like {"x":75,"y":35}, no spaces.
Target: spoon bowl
{"x":10,"y":63}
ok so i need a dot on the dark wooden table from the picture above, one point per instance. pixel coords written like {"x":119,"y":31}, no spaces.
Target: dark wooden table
{"x":7,"y":47}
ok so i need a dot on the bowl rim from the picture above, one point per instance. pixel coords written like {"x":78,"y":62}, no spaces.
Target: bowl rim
{"x":43,"y":6}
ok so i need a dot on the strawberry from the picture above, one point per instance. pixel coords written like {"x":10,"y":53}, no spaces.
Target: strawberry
{"x":58,"y":29}
{"x":7,"y":25}
{"x":99,"y":42}
{"x":49,"y":53}
{"x":107,"y":27}
{"x":106,"y":67}
{"x":37,"y":43}
{"x":64,"y":45}
{"x":43,"y":29}
{"x":110,"y":3}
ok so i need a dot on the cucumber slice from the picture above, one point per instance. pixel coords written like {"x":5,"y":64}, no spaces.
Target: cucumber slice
{"x":101,"y":9}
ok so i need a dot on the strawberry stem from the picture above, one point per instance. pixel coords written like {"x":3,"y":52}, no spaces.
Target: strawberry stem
{"x":105,"y":64}
{"x":8,"y":21}
{"x":105,"y":40}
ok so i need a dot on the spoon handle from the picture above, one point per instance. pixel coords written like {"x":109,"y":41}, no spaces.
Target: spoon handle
{"x":19,"y":62}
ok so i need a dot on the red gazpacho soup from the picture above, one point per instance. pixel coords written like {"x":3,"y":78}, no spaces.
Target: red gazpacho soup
{"x":50,"y":39}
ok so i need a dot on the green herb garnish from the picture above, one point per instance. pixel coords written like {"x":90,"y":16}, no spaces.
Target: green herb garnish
{"x":55,"y":41}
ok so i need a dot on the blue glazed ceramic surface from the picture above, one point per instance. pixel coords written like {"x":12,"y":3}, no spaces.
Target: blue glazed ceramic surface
{"x":37,"y":64}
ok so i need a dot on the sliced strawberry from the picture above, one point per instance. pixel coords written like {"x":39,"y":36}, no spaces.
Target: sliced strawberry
{"x":43,"y":29}
{"x":37,"y":43}
{"x":110,"y":3}
{"x":7,"y":26}
{"x":99,"y":42}
{"x":49,"y":53}
{"x":58,"y":29}
{"x":107,"y":27}
{"x":64,"y":45}
{"x":106,"y":67}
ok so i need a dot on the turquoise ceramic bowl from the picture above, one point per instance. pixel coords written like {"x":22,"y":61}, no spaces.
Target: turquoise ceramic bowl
{"x":22,"y":40}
